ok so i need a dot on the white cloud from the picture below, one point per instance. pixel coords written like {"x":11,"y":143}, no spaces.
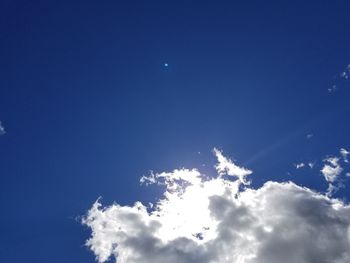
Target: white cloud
{"x":175,"y":180}
{"x":344,"y":153}
{"x":2,"y":129}
{"x":311,"y":164}
{"x":209,"y":220}
{"x":331,"y":169}
{"x":299,"y":165}
{"x":304,"y":164}
{"x":226,"y":166}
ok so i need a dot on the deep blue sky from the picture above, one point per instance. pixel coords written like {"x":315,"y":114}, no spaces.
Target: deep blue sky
{"x":88,"y":105}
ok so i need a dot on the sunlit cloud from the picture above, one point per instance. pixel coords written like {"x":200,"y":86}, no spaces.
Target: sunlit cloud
{"x":212,"y":219}
{"x":226,"y":166}
{"x":310,"y":164}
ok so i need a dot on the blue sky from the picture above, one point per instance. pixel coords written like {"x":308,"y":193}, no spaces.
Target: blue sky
{"x":89,"y":106}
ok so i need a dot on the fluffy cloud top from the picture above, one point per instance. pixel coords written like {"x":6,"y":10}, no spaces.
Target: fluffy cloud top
{"x":207,"y":220}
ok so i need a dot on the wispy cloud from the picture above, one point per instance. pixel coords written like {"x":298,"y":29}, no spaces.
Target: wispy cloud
{"x":331,"y":171}
{"x":332,"y":168}
{"x":344,"y":75}
{"x":212,"y":219}
{"x":344,"y":153}
{"x":226,"y":166}
{"x":2,"y":129}
{"x":309,"y":136}
{"x":332,"y":89}
{"x":311,"y":164}
{"x":299,"y":165}
{"x":173,"y":180}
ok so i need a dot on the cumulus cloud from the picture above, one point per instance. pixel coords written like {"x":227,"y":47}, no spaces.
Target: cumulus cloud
{"x":212,"y":219}
{"x":2,"y":129}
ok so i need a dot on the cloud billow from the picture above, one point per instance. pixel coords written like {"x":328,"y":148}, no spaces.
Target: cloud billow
{"x":222,"y":219}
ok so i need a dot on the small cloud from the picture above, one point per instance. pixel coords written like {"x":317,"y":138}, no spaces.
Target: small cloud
{"x":311,"y":164}
{"x":331,"y":171}
{"x":344,"y":153}
{"x":2,"y":129}
{"x":173,"y":180}
{"x":332,"y":89}
{"x":309,"y":136}
{"x":299,"y":165}
{"x":341,"y":77}
{"x":346,"y":73}
{"x":226,"y":166}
